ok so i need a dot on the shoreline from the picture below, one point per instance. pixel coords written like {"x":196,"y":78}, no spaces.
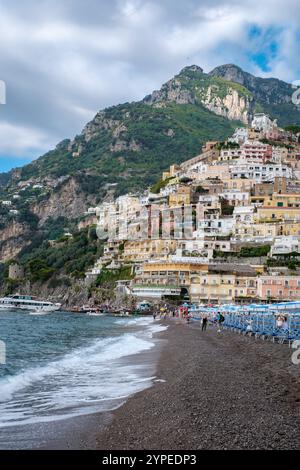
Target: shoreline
{"x":210,"y":391}
{"x":81,"y":431}
{"x":218,"y":391}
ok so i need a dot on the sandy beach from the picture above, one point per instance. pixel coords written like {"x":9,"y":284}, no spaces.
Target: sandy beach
{"x":214,"y":391}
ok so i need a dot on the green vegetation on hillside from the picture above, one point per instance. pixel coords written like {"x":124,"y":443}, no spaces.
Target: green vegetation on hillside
{"x":149,"y":127}
{"x":256,"y":251}
{"x":199,"y":83}
{"x":109,"y":277}
{"x":72,"y":257}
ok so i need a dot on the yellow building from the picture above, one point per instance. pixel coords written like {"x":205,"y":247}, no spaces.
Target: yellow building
{"x":293,"y":156}
{"x":224,"y":284}
{"x":240,"y":184}
{"x":264,"y":192}
{"x":201,"y":281}
{"x":246,"y":230}
{"x":283,"y":200}
{"x":181,"y":197}
{"x":169,"y":272}
{"x":173,"y":171}
{"x":212,"y":287}
{"x":289,"y":228}
{"x":267,"y":230}
{"x":142,"y":250}
{"x":254,"y":134}
{"x":281,"y":214}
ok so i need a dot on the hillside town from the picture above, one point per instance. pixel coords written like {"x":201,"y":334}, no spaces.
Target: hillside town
{"x":222,"y":227}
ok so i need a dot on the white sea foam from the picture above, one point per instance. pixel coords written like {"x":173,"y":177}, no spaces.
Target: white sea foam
{"x":86,"y":380}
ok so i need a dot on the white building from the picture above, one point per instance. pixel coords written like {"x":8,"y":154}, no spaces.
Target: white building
{"x":243,"y":214}
{"x":240,"y":135}
{"x":263,"y":122}
{"x":218,"y":227}
{"x":285,"y":245}
{"x":92,"y":210}
{"x":210,"y":200}
{"x":154,"y":292}
{"x":259,"y":172}
{"x":169,"y":189}
{"x":236,"y":198}
{"x":114,"y":218}
{"x":230,"y":154}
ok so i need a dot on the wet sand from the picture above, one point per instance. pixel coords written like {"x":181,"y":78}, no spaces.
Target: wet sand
{"x":211,"y":391}
{"x":216,"y":391}
{"x":80,"y":432}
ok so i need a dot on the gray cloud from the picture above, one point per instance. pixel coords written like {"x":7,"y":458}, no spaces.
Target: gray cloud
{"x":63,"y":60}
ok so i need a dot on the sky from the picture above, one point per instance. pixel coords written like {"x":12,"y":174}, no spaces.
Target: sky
{"x":63,"y":60}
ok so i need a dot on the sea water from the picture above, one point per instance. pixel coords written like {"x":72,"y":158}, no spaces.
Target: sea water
{"x":62,"y":365}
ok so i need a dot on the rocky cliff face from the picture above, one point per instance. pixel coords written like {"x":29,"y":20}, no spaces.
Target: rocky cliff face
{"x":13,"y":238}
{"x":230,"y":92}
{"x":265,"y":90}
{"x":193,"y":86}
{"x":171,"y":92}
{"x":232,"y":106}
{"x":67,"y":201}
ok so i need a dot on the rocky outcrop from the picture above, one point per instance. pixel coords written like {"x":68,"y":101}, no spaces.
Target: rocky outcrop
{"x":12,"y":229}
{"x":172,"y":91}
{"x":192,"y":86}
{"x":264,"y":90}
{"x":66,"y":201}
{"x":239,"y":102}
{"x":120,"y":145}
{"x":13,"y":238}
{"x":169,"y":133}
{"x":102,"y":122}
{"x":233,"y":106}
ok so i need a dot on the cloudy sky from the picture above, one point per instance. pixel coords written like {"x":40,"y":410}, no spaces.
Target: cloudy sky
{"x":62,"y":60}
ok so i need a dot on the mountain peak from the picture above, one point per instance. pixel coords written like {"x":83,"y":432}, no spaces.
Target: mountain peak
{"x":230,"y":72}
{"x":191,"y":68}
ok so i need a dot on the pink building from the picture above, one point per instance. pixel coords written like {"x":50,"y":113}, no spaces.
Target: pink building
{"x":257,"y":150}
{"x":279,"y":287}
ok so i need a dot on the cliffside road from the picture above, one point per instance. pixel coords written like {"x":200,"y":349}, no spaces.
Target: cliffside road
{"x":221,"y":391}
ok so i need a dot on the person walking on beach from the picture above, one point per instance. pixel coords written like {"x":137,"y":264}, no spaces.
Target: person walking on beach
{"x":204,"y":323}
{"x":220,"y":319}
{"x":154,"y":315}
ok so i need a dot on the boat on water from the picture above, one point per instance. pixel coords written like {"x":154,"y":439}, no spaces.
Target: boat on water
{"x":27,"y":302}
{"x":95,"y":314}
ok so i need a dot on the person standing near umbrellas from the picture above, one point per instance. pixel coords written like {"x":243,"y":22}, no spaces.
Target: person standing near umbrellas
{"x":204,"y":323}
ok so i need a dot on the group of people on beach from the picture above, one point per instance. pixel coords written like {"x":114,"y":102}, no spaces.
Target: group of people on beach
{"x":183,"y":312}
{"x":163,"y":314}
{"x":219,"y":320}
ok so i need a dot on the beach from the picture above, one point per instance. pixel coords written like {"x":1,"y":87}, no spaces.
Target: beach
{"x":214,"y":391}
{"x":71,"y":370}
{"x":209,"y":390}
